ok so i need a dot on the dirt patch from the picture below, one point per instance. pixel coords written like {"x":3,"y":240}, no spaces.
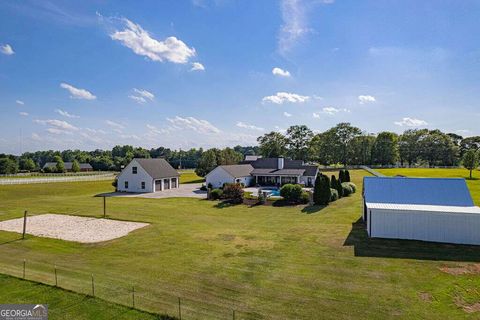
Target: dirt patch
{"x":472,"y":268}
{"x":468,"y":308}
{"x":72,"y":228}
{"x":425,"y":296}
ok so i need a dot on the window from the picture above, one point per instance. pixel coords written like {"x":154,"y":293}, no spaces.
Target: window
{"x":143,"y":184}
{"x":134,"y":170}
{"x":126,"y":184}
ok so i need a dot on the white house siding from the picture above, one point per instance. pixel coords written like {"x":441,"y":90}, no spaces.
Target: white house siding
{"x":134,"y":180}
{"x":304,"y":180}
{"x":461,"y":228}
{"x":218,"y":176}
{"x":247,"y":181}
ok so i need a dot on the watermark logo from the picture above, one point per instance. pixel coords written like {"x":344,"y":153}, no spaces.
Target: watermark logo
{"x":23,"y":312}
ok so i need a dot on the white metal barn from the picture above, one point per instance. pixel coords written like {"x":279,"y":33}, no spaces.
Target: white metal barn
{"x":427,"y":209}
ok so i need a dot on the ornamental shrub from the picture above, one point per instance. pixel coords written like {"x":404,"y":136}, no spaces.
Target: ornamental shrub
{"x":305,"y":197}
{"x":353,"y":186}
{"x":341,"y":176}
{"x":233,"y":192}
{"x":322,"y":193}
{"x":333,"y":182}
{"x":291,"y":192}
{"x":216,"y":194}
{"x":347,"y":176}
{"x":339,"y":189}
{"x":334,"y":196}
{"x":347,"y":189}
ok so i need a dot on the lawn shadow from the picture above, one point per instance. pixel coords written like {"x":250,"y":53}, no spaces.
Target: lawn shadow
{"x":11,"y":241}
{"x":313,"y":209}
{"x":407,"y":249}
{"x":225,"y":204}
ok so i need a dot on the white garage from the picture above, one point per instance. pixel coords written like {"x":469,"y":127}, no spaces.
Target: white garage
{"x":437,"y":210}
{"x":237,"y":173}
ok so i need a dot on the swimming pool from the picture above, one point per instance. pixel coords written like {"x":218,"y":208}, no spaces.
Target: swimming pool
{"x":272,"y":192}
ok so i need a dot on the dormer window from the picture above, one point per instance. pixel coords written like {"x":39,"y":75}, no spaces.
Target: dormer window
{"x":134,"y":170}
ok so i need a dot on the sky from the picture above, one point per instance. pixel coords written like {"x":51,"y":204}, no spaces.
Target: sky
{"x":215,"y":73}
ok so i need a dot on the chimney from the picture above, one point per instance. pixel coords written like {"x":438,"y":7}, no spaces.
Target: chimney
{"x":280,"y":162}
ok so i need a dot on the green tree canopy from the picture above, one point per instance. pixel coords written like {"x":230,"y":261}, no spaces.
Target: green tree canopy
{"x":75,"y":166}
{"x":470,"y":160}
{"x":272,"y":145}
{"x":298,"y":139}
{"x":385,"y":148}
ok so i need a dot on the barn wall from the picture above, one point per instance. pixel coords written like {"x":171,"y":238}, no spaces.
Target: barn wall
{"x":424,"y":225}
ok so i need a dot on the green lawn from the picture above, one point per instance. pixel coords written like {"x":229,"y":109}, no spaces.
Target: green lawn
{"x":189,"y":176}
{"x":64,"y":304}
{"x":473,"y":185}
{"x":264,"y":262}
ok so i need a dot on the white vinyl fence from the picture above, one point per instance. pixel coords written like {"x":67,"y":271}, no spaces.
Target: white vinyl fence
{"x":48,"y":179}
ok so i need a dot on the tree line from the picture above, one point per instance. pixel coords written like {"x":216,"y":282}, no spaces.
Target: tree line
{"x":343,"y":144}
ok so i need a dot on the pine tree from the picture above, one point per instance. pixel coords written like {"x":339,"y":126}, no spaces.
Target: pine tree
{"x":333,"y":182}
{"x":317,"y":190}
{"x":326,"y":192}
{"x":341,"y":176}
{"x":339,"y":189}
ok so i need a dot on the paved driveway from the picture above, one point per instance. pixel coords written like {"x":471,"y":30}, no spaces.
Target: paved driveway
{"x":187,"y":190}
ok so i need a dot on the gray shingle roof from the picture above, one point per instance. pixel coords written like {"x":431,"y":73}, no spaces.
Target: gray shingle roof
{"x":68,"y":165}
{"x":157,"y":168}
{"x":238,"y":170}
{"x":281,"y":172}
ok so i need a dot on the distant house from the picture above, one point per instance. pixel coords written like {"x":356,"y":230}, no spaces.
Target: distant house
{"x":68,"y":166}
{"x":264,"y":171}
{"x":428,"y":209}
{"x":148,"y":175}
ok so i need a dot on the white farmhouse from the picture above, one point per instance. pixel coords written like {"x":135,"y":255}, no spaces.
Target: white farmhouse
{"x":147,"y":175}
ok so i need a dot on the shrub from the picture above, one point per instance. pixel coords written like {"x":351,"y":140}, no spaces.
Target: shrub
{"x":347,"y":189}
{"x":341,"y":176}
{"x":339,"y":189}
{"x":216,"y":194}
{"x":291,"y":192}
{"x":75,"y":166}
{"x":203,"y":187}
{"x":48,"y":170}
{"x":333,"y":182}
{"x":305,"y":197}
{"x":115,"y":184}
{"x":210,"y":186}
{"x":334,"y":196}
{"x":233,"y":192}
{"x":353,"y":186}
{"x":261,"y":197}
{"x":322,"y":193}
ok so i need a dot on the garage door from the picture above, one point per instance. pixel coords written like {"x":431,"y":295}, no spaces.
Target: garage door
{"x":158,"y":185}
{"x":166,"y":184}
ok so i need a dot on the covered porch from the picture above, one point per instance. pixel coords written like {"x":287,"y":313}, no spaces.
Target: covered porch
{"x":275,"y":180}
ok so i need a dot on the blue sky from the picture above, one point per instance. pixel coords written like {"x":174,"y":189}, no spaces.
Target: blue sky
{"x":204,"y":73}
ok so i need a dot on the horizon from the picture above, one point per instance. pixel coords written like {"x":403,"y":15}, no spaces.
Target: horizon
{"x":94,"y":75}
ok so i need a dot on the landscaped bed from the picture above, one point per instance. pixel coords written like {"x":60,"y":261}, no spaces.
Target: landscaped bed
{"x":72,"y":228}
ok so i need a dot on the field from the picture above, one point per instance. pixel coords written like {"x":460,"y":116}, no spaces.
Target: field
{"x":263,"y":262}
{"x":189,"y":176}
{"x":473,"y":185}
{"x":64,"y":304}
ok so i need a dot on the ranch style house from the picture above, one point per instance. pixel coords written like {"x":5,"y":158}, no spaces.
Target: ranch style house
{"x":264,"y":172}
{"x":148,"y":175}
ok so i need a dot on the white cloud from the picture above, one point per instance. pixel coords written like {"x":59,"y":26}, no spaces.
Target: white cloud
{"x":145,"y":94}
{"x":95,"y":131}
{"x":58,"y":131}
{"x":281,"y":97}
{"x":294,"y":25}
{"x":130,"y":136}
{"x":66,"y":114}
{"x":25,"y":114}
{"x":286,"y":114}
{"x":197,"y":66}
{"x":36,"y":137}
{"x":280,"y":72}
{"x":249,"y":126}
{"x":77,"y":93}
{"x":155,"y":131}
{"x":316,"y":115}
{"x":114,"y":125}
{"x":332,"y":110}
{"x":411,"y":122}
{"x":142,"y":43}
{"x":20,"y":102}
{"x":57,"y":124}
{"x":200,"y":126}
{"x":137,"y":99}
{"x":366,"y":99}
{"x":7,"y":49}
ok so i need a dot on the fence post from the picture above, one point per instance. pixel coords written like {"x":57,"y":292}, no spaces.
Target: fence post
{"x":93,"y":287}
{"x":24,"y":261}
{"x":104,"y":207}
{"x":24,"y":224}
{"x":56,"y":281}
{"x":179,"y":309}
{"x":133,"y":297}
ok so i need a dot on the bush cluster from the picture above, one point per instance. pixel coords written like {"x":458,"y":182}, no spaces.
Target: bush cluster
{"x":216,"y":194}
{"x":348,"y":188}
{"x":334,"y":196}
{"x":233,"y":192}
{"x":322,"y":192}
{"x":291,"y":193}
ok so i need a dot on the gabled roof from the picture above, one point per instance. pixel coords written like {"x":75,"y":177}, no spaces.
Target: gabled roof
{"x":278,"y":172}
{"x":421,"y":191}
{"x":68,"y":165}
{"x":157,"y":168}
{"x":238,"y":170}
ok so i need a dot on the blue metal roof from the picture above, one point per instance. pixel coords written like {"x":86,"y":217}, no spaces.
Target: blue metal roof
{"x":427,"y":191}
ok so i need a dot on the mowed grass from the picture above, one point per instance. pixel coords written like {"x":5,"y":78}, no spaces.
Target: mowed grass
{"x":64,"y":304}
{"x":473,"y":184}
{"x":189,"y":176}
{"x":264,"y":262}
